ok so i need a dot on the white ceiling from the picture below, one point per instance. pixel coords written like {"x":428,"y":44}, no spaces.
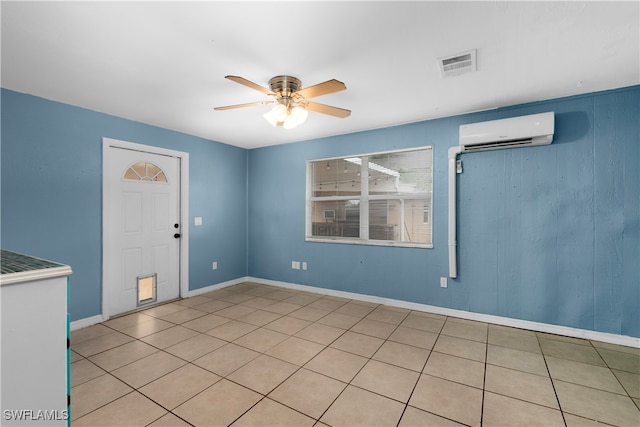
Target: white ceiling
{"x":163,"y":63}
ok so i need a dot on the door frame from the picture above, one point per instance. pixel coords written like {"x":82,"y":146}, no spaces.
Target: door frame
{"x":183,"y":264}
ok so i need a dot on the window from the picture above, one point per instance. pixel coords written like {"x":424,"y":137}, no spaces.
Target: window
{"x":377,"y":199}
{"x":145,"y":171}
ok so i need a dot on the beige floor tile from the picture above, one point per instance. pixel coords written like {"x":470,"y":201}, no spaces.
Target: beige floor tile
{"x":518,"y":341}
{"x":630,"y":382}
{"x":414,"y":337}
{"x":280,"y":294}
{"x":387,"y":380}
{"x":258,"y":302}
{"x":272,"y":414}
{"x":193,"y":301}
{"x":466,"y":330}
{"x":261,"y":339}
{"x":413,"y":417}
{"x":512,"y":330}
{"x":308,"y":392}
{"x":95,"y":393}
{"x":89,"y":333}
{"x":232,"y":330}
{"x":339,"y":320}
{"x":295,"y":350}
{"x":571,"y":351}
{"x":322,"y":334}
{"x":354,"y":309}
{"x":505,"y":411}
{"x":205,"y":323}
{"x":360,"y":344}
{"x":226,"y":359}
{"x":74,"y":357}
{"x":382,"y":314}
{"x":282,"y":307}
{"x":328,"y":304}
{"x":357,"y":407}
{"x":575,"y":421}
{"x":122,"y":355}
{"x":150,"y":368}
{"x":169,"y":337}
{"x":220,"y":404}
{"x":132,"y":409}
{"x":143,"y":329}
{"x":185,"y":315}
{"x":179,"y":386}
{"x":562,"y":338}
{"x":614,"y":347}
{"x":595,"y":404}
{"x":101,"y":343}
{"x":448,"y":399}
{"x":237,"y":298}
{"x":623,"y":361}
{"x":128,"y":320}
{"x":424,"y":323}
{"x":453,"y":368}
{"x":337,"y":364}
{"x":303,"y":298}
{"x":521,"y":385}
{"x":288,"y":325}
{"x":309,"y":313}
{"x":213,"y":306}
{"x":374,"y":328}
{"x":516,"y":359}
{"x":260,"y":317}
{"x":584,"y":374}
{"x":461,"y":347}
{"x":402,"y":355}
{"x":195,"y":347}
{"x":235,"y":311}
{"x":164,"y":309}
{"x":169,"y":420}
{"x":263,"y":374}
{"x":83,"y":371}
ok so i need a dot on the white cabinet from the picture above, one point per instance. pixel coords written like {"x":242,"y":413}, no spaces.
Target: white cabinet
{"x":34,"y":331}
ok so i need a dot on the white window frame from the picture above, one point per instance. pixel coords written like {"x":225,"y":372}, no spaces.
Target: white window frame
{"x":364,"y":199}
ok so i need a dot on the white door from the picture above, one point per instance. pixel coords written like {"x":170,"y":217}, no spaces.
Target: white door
{"x":142,"y":217}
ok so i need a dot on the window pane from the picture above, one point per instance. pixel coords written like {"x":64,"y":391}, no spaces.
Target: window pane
{"x":384,"y":219}
{"x":337,"y":177}
{"x":336,"y":218}
{"x":404,"y":172}
{"x":399,"y":220}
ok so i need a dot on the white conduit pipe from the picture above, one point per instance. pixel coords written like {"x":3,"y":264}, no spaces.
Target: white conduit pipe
{"x":453,"y":261}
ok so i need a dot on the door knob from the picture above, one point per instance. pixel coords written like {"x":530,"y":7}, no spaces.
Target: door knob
{"x":177,"y":235}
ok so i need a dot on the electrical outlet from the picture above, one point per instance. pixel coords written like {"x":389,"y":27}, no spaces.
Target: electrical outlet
{"x":304,"y":265}
{"x":295,"y":265}
{"x":214,"y":265}
{"x":443,"y":282}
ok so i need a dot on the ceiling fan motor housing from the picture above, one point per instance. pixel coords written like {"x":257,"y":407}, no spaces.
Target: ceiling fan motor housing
{"x":284,"y":86}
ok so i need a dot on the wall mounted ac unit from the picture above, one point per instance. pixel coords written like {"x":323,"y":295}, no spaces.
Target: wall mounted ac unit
{"x":524,"y":131}
{"x":535,"y":129}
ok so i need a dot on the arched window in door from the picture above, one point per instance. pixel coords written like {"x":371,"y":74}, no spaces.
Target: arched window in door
{"x":145,"y":171}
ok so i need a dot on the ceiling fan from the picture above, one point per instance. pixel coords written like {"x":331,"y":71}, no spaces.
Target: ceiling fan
{"x":291,"y":103}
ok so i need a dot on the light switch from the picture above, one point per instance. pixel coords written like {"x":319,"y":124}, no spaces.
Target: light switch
{"x":197,"y":221}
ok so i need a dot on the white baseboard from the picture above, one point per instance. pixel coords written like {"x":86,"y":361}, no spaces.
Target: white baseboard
{"x":87,"y":321}
{"x":215,"y":287}
{"x":488,"y":318}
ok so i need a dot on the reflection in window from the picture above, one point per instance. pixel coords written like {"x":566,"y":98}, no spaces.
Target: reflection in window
{"x":379,"y":198}
{"x":145,"y":171}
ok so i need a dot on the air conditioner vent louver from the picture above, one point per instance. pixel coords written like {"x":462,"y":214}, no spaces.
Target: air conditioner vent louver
{"x":458,"y":64}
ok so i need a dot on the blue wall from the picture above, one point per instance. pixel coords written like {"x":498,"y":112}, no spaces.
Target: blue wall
{"x":52,"y":193}
{"x":547,"y":234}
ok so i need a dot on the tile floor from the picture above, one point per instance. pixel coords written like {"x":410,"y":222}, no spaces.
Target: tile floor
{"x":252,"y":355}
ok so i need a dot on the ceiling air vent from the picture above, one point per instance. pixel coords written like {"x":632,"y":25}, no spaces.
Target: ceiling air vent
{"x":457,"y":64}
